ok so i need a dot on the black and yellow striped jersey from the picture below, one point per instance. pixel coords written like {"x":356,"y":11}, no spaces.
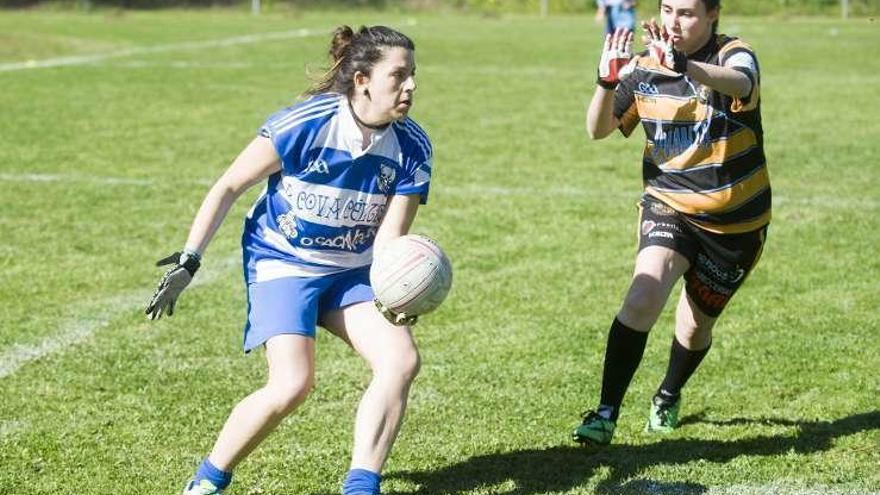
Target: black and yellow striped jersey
{"x":704,"y":151}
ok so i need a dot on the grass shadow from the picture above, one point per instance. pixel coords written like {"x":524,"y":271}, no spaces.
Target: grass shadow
{"x":562,"y":468}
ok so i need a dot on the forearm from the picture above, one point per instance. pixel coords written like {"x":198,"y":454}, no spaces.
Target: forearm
{"x":211,"y":214}
{"x":600,"y":120}
{"x":725,"y":80}
{"x":398,"y":219}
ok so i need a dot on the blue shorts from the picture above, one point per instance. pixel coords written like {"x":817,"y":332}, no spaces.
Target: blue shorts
{"x":293,"y":305}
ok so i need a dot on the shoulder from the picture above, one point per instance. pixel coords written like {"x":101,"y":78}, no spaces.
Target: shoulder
{"x":311,"y":112}
{"x":413,"y":138}
{"x":729,"y":46}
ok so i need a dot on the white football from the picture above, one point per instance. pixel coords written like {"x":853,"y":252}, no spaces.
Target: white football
{"x":411,"y":275}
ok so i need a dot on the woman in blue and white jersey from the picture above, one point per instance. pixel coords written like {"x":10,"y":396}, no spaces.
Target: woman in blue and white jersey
{"x":346,"y":171}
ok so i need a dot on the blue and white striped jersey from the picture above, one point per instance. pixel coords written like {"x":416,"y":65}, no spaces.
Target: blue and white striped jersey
{"x":320,"y":213}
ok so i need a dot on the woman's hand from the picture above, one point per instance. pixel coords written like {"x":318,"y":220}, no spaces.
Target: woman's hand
{"x":661,"y":47}
{"x":615,"y":64}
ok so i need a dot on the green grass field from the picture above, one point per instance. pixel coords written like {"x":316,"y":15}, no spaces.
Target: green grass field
{"x":104,"y":161}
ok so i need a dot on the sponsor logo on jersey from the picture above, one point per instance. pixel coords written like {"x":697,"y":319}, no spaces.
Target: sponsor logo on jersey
{"x":648,"y":88}
{"x":386,"y":178}
{"x":318,"y":166}
{"x":339,"y":209}
{"x":287,"y":225}
{"x":350,"y":240}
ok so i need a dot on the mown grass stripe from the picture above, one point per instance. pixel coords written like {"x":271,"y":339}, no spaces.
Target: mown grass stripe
{"x":91,"y":318}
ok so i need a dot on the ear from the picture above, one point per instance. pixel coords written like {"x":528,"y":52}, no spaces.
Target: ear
{"x":361,"y":81}
{"x":713,"y":14}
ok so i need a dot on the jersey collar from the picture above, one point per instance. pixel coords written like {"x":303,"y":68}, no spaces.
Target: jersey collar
{"x":352,"y":135}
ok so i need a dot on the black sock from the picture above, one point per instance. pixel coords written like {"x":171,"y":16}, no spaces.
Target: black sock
{"x":622,"y":357}
{"x":682,"y":364}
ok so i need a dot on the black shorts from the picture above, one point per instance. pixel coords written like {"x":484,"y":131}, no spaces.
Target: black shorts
{"x":720,"y":263}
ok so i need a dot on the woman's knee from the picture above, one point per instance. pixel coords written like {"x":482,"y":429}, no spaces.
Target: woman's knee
{"x":642,"y":307}
{"x":403,"y":365}
{"x":286,"y":395}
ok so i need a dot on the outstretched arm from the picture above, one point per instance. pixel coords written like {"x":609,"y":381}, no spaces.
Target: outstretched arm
{"x":256,"y":162}
{"x":725,"y":80}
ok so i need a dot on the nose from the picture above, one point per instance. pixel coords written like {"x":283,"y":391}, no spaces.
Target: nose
{"x":410,"y":84}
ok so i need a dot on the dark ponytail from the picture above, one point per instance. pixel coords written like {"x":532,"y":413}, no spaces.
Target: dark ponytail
{"x":351,"y":52}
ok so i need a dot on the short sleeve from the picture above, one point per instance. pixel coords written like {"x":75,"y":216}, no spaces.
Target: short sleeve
{"x":291,"y":128}
{"x":739,"y":56}
{"x":417,"y":162}
{"x":283,"y":136}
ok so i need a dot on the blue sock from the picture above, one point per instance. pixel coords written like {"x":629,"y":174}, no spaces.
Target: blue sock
{"x":361,"y":481}
{"x":212,"y":473}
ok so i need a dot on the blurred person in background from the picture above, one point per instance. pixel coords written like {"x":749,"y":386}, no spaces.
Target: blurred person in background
{"x":616,"y":14}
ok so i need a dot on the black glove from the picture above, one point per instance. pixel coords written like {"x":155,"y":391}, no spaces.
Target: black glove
{"x":186,"y":263}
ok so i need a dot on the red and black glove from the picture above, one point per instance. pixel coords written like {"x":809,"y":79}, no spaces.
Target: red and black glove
{"x":615,"y":64}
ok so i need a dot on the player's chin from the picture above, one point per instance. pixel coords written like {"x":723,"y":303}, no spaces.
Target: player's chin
{"x":402,"y":109}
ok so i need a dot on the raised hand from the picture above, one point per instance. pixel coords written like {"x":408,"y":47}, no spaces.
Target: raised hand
{"x":616,"y":63}
{"x":661,"y":47}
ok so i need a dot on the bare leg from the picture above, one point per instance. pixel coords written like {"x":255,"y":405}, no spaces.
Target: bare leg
{"x":693,"y":328}
{"x":656,"y":272}
{"x":291,"y":360}
{"x":693,"y":336}
{"x":392,"y":355}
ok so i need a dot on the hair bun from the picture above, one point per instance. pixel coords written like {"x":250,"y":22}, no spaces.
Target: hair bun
{"x":342,"y":37}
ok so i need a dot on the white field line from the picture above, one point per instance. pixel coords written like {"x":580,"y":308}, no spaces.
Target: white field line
{"x":140,"y":64}
{"x":92,"y":179}
{"x":8,"y":428}
{"x":652,"y":487}
{"x":779,"y":488}
{"x":92,"y":318}
{"x":828,"y":202}
{"x":170,"y":47}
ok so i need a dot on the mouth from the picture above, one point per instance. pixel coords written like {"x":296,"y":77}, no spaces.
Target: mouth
{"x":406,"y":104}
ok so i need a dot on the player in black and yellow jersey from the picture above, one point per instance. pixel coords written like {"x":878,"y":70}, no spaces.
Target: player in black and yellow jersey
{"x":706,"y":203}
